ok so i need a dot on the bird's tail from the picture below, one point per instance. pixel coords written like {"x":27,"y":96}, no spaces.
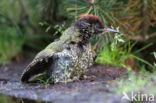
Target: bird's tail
{"x":36,"y":67}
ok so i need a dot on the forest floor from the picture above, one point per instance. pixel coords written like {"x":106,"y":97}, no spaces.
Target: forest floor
{"x":97,"y":88}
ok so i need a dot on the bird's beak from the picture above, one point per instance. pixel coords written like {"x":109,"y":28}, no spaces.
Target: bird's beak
{"x":106,"y":30}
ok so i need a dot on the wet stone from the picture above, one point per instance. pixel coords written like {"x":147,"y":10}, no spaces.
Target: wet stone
{"x":93,"y":89}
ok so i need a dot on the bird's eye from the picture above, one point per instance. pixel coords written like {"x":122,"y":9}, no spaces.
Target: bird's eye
{"x":97,"y":25}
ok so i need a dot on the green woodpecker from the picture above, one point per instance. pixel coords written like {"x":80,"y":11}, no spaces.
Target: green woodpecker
{"x":70,"y":57}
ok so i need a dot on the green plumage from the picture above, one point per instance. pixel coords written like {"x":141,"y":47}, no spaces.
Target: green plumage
{"x":44,"y":60}
{"x":70,"y":57}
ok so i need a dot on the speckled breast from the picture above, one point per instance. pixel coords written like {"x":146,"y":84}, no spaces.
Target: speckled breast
{"x":71,"y":63}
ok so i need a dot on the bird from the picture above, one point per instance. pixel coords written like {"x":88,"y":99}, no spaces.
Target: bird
{"x":68,"y":58}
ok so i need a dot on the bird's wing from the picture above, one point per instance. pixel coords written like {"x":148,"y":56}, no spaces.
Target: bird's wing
{"x":42,"y":61}
{"x":39,"y":65}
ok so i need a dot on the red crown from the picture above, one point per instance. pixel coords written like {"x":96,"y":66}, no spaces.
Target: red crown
{"x":91,"y":18}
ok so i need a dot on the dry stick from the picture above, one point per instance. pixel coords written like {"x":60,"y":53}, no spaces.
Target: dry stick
{"x":90,"y":9}
{"x":145,"y":23}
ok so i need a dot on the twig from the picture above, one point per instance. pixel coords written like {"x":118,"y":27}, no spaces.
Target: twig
{"x":145,"y":23}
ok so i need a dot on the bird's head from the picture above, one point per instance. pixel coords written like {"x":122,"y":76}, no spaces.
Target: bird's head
{"x":90,"y":25}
